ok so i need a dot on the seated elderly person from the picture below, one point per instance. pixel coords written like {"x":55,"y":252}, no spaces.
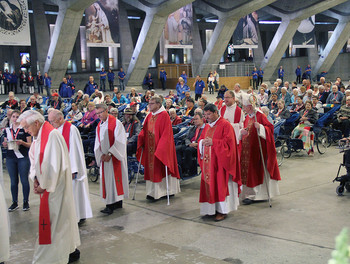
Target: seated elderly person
{"x":119,"y":99}
{"x":190,"y":107}
{"x":202,"y":103}
{"x":266,"y":112}
{"x":132,"y":128}
{"x":10,"y":103}
{"x":308,"y":96}
{"x":88,"y":119}
{"x":108,"y":101}
{"x":285,"y":96}
{"x":134,"y":94}
{"x":308,"y":118}
{"x":316,"y":104}
{"x":23,"y":106}
{"x":78,"y":98}
{"x":175,"y":120}
{"x":293,"y":98}
{"x":55,"y":102}
{"x":33,"y":104}
{"x":6,"y":121}
{"x":298,"y":106}
{"x":83,"y":105}
{"x":98,"y":99}
{"x":262,"y":97}
{"x":302,"y":91}
{"x":335,"y":97}
{"x":172,"y":96}
{"x":346,"y":94}
{"x":322,"y":94}
{"x":273,"y":102}
{"x":97,"y":91}
{"x":343,"y":118}
{"x":114,"y":112}
{"x":184,"y":100}
{"x":187,"y":152}
{"x":74,"y":115}
{"x":38,"y":97}
{"x":281,"y":112}
{"x":168,"y":104}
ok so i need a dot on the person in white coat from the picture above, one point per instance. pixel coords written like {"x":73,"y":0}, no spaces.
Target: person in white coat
{"x":111,"y":157}
{"x":78,"y":167}
{"x":51,"y":173}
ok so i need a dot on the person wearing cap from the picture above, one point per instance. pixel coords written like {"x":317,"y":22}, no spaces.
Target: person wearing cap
{"x":56,"y":102}
{"x":132,"y":128}
{"x":252,"y":170}
{"x":190,"y":107}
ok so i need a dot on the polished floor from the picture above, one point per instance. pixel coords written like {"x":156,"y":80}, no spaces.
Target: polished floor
{"x":299,"y":228}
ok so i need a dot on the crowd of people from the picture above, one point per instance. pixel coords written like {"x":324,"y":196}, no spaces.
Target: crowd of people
{"x":222,"y":136}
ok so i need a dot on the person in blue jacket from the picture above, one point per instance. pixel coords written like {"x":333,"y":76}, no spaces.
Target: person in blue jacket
{"x":103,"y":75}
{"x":121,"y":77}
{"x":119,"y":98}
{"x":182,"y":88}
{"x":255,"y":78}
{"x":199,"y":87}
{"x":281,"y":73}
{"x":298,"y":74}
{"x":260,"y":76}
{"x":110,"y":76}
{"x":70,"y":81}
{"x":148,"y":81}
{"x":65,"y":90}
{"x":308,"y":71}
{"x":40,"y":82}
{"x":47,"y":84}
{"x":90,"y":87}
{"x":13,"y":82}
{"x":184,"y":76}
{"x":163,"y":77}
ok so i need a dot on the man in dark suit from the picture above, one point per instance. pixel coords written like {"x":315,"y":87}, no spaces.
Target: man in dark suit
{"x":188,"y":151}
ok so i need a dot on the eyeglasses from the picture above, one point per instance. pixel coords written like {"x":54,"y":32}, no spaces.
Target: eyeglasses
{"x":227,"y":97}
{"x":98,"y":113}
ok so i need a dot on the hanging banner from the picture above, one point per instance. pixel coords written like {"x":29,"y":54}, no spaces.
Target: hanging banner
{"x":14,"y":23}
{"x":102,"y":24}
{"x":246,"y":34}
{"x":178,"y":29}
{"x":305,"y":35}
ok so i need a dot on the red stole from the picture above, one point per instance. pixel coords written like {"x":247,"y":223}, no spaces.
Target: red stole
{"x":66,"y":132}
{"x":117,"y":169}
{"x":44,"y":211}
{"x":238,"y":113}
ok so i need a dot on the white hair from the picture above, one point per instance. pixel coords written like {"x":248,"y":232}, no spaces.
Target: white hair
{"x":265,"y":110}
{"x":31,"y":116}
{"x":172,"y":110}
{"x":284,"y":88}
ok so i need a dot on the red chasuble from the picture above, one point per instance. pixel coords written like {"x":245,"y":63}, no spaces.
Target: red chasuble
{"x":238,"y":113}
{"x":220,"y":161}
{"x":251,"y":163}
{"x":44,"y":211}
{"x":117,"y":168}
{"x":157,"y":141}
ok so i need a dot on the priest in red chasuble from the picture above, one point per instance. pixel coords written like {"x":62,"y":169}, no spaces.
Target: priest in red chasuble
{"x":252,"y":170}
{"x":218,"y":158}
{"x":156,"y":139}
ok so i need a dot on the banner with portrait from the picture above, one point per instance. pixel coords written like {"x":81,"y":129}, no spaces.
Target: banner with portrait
{"x":245,"y":35}
{"x":178,"y":29}
{"x":305,"y":35}
{"x":102,"y":24}
{"x":14,"y":23}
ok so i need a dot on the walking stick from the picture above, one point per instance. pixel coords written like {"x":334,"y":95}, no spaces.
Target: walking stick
{"x":137,"y":175}
{"x":252,"y":100}
{"x":167,"y":184}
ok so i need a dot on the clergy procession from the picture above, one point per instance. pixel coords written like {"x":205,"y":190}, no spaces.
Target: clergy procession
{"x":233,"y":147}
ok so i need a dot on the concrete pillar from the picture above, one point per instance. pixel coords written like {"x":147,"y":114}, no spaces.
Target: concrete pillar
{"x":126,"y":44}
{"x":62,"y":42}
{"x":149,"y":36}
{"x":42,"y":35}
{"x":339,"y":37}
{"x":259,"y":52}
{"x":278,"y":46}
{"x":197,"y":51}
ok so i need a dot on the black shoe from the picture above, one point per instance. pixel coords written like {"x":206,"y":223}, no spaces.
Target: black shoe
{"x":13,"y":207}
{"x":26,"y":206}
{"x":107,"y":210}
{"x":81,"y":222}
{"x":247,"y":201}
{"x":118,"y":205}
{"x":148,"y":197}
{"x":75,"y":256}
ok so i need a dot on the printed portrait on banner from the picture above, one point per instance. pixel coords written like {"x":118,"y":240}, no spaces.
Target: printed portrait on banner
{"x":102,"y":24}
{"x":305,"y":35}
{"x":14,"y":26}
{"x":178,"y":28}
{"x":246,"y":33}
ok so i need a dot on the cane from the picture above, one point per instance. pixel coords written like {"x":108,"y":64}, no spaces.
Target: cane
{"x":252,"y":100}
{"x":137,"y":175}
{"x":167,"y":184}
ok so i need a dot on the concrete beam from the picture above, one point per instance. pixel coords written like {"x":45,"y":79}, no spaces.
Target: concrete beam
{"x":126,"y":44}
{"x":62,"y":42}
{"x":337,"y":41}
{"x":197,"y":51}
{"x":285,"y":34}
{"x":148,"y":39}
{"x":223,"y":32}
{"x":42,"y":35}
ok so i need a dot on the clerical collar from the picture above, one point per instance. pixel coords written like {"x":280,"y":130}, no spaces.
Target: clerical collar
{"x":213,"y":123}
{"x":159,"y":111}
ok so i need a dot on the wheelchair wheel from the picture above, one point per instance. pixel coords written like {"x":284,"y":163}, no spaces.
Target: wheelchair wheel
{"x":279,"y":152}
{"x":340,"y":190}
{"x":322,"y":142}
{"x":94,"y":173}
